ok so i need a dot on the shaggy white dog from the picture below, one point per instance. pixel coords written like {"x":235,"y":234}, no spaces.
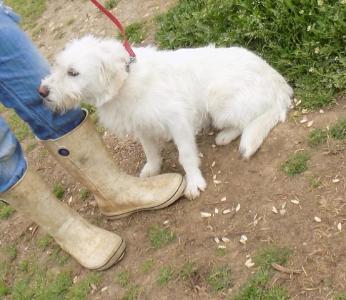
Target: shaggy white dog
{"x":172,"y":95}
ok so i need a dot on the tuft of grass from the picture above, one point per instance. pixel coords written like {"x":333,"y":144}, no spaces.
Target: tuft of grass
{"x":160,"y":237}
{"x":294,"y":36}
{"x":110,"y":4}
{"x":58,"y":190}
{"x":5,"y":211}
{"x":272,"y":254}
{"x":220,"y":252}
{"x":123,"y":278}
{"x":24,"y":266}
{"x":165,"y":275}
{"x":135,"y":32}
{"x":4,"y":289}
{"x":44,"y":242}
{"x":19,"y":127}
{"x":188,"y":270}
{"x":340,"y":297}
{"x":147,"y":266}
{"x":84,"y":194}
{"x":258,"y":286}
{"x":338,"y":131}
{"x":132,"y":293}
{"x":296,"y":164}
{"x":317,"y":137}
{"x":29,"y":10}
{"x":219,"y":279}
{"x":315,"y":182}
{"x":81,"y":289}
{"x":59,"y":257}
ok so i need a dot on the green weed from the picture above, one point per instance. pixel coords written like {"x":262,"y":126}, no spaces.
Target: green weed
{"x":5,"y":211}
{"x":317,"y":137}
{"x":81,"y":289}
{"x":123,"y":278}
{"x":4,"y":289}
{"x":188,"y":270}
{"x":44,"y":242}
{"x":110,"y":4}
{"x":11,"y":252}
{"x":84,"y":194}
{"x":272,"y":254}
{"x":296,"y":164}
{"x":338,"y":131}
{"x":58,"y":190}
{"x":304,"y":40}
{"x":132,"y":293}
{"x":135,"y":32}
{"x":340,"y":297}
{"x":219,"y":279}
{"x":315,"y":182}
{"x":147,"y":266}
{"x":160,"y":237}
{"x":165,"y":275}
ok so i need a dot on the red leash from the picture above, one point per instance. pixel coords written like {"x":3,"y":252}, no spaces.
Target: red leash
{"x":118,"y":24}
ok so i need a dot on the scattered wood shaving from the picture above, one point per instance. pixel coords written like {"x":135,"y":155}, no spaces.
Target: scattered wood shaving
{"x":217,"y":240}
{"x":317,"y":219}
{"x":339,"y":226}
{"x":237,"y":208}
{"x":295,"y":202}
{"x":223,"y":199}
{"x":217,"y":181}
{"x":225,"y":240}
{"x":274,"y":210}
{"x":226,"y":211}
{"x":285,"y":270}
{"x":310,"y":123}
{"x":213,"y":164}
{"x":304,"y":120}
{"x":205,"y":214}
{"x":336,"y":180}
{"x":243,"y":239}
{"x":249,"y":263}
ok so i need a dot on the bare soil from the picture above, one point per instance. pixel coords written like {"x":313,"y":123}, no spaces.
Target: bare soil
{"x":319,"y":248}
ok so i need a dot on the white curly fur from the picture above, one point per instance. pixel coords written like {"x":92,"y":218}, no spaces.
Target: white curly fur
{"x":172,"y":95}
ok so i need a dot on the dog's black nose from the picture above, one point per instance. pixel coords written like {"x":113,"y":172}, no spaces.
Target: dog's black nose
{"x":44,"y":91}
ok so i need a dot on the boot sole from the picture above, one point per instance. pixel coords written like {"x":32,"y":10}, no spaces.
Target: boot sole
{"x":116,"y":257}
{"x":177,"y":194}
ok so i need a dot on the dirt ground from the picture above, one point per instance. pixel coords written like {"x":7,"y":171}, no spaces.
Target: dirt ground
{"x":258,"y":185}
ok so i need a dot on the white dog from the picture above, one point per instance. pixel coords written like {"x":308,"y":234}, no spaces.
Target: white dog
{"x":172,"y":95}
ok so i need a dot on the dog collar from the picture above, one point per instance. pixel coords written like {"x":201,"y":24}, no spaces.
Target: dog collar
{"x":132,"y":60}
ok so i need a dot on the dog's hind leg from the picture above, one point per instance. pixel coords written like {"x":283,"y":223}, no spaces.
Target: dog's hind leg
{"x":227,"y":135}
{"x":257,"y":130}
{"x":152,"y":150}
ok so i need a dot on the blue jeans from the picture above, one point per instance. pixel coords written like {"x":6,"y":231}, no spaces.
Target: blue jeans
{"x":21,"y":70}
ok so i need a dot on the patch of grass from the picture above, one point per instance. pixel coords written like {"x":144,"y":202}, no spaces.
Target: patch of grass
{"x":11,"y":252}
{"x":44,"y":242}
{"x":338,"y":131}
{"x":160,"y":237}
{"x":188,"y":270}
{"x":220,"y":252}
{"x":5,"y":211}
{"x":58,"y":190}
{"x":272,"y":254}
{"x":315,"y":182}
{"x":4,"y":289}
{"x":258,"y":286}
{"x":110,"y":4}
{"x":219,"y":279}
{"x":165,"y":275}
{"x":84,"y":194}
{"x":19,"y":127}
{"x":59,"y":257}
{"x":81,"y":289}
{"x":132,"y":293}
{"x":340,"y":297}
{"x":147,"y":266}
{"x":123,"y":278}
{"x":29,"y":10}
{"x":135,"y":32}
{"x":317,"y":137}
{"x":24,"y":266}
{"x":296,"y":164}
{"x":294,"y":36}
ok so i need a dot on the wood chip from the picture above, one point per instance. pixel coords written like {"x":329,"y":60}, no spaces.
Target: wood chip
{"x":217,"y":181}
{"x":225,"y":240}
{"x":243,"y":239}
{"x":304,"y":120}
{"x":214,"y":177}
{"x":221,"y":246}
{"x":339,"y":226}
{"x":237,"y":208}
{"x":205,"y":214}
{"x":105,"y":288}
{"x":274,"y":210}
{"x":213,"y":164}
{"x":217,"y":240}
{"x":321,"y":111}
{"x":336,"y":180}
{"x":249,"y":263}
{"x":296,"y":202}
{"x":317,"y":219}
{"x":310,"y":123}
{"x":226,"y":211}
{"x":201,"y":154}
{"x":223,"y":199}
{"x":285,"y":270}
{"x":216,"y":210}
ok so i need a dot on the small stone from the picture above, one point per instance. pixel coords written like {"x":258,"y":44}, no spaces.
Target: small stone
{"x":317,"y":219}
{"x":205,"y":214}
{"x":243,"y":239}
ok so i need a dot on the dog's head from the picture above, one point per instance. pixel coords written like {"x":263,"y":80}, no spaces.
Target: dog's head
{"x":89,"y":70}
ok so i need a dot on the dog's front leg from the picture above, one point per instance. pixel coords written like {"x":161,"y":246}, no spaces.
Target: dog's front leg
{"x":184,"y":138}
{"x":152,"y":150}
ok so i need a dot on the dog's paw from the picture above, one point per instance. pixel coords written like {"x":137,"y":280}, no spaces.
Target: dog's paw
{"x":226,"y":136}
{"x":194,"y":186}
{"x":150,"y":169}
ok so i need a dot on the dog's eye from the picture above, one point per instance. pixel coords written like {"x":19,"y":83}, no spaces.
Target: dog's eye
{"x":72,"y":72}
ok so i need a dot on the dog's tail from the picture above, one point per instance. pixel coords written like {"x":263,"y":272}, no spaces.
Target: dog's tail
{"x":256,"y":131}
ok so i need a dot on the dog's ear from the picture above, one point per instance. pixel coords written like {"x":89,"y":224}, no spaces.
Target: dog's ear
{"x":112,"y":68}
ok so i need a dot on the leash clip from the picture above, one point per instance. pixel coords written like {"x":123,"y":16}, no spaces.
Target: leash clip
{"x":132,"y":60}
